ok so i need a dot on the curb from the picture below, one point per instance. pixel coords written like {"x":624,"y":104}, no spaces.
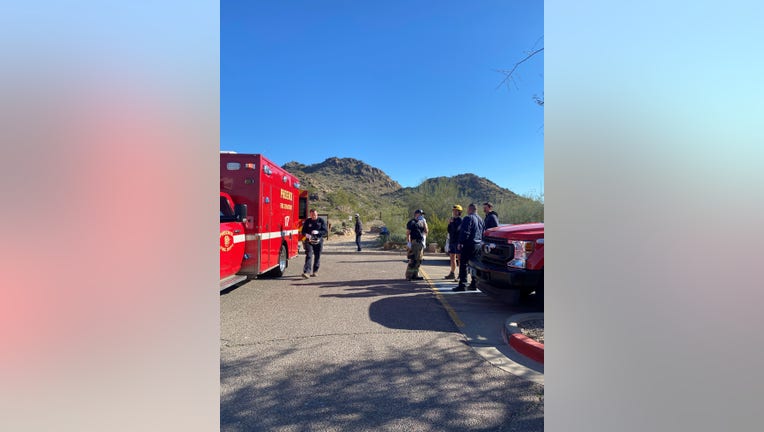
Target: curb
{"x":518,"y":341}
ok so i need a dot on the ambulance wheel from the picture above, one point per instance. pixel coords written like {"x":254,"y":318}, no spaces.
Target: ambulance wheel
{"x":283,"y":261}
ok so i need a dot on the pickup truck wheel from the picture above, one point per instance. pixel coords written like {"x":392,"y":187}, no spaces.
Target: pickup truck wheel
{"x":283,"y":262}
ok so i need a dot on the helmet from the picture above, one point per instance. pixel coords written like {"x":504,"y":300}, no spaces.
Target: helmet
{"x":457,"y":207}
{"x":313,"y":237}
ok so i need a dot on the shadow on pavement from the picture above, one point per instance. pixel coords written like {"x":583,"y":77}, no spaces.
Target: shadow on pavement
{"x":414,"y":312}
{"x":332,"y":251}
{"x":439,"y":261}
{"x":392,"y":259}
{"x":371,"y":287}
{"x":425,"y":390}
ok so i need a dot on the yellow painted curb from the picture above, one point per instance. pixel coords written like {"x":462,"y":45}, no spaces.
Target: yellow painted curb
{"x":451,"y":312}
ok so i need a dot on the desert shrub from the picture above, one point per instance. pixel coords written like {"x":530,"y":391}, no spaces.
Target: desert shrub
{"x":438,"y":229}
{"x":521,"y":210}
{"x":395,"y":220}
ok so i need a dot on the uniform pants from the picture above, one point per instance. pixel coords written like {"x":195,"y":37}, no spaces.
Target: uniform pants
{"x":312,"y":250}
{"x":469,"y":250}
{"x":358,"y":241}
{"x":415,"y":255}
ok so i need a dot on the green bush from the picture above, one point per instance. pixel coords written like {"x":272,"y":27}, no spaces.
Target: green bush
{"x":395,"y":221}
{"x":437,"y":202}
{"x":438,"y":228}
{"x":522,"y":210}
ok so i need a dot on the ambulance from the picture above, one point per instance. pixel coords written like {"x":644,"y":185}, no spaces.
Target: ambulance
{"x":261,"y":213}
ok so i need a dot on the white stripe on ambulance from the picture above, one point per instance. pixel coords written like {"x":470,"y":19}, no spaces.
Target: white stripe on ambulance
{"x":269,"y":235}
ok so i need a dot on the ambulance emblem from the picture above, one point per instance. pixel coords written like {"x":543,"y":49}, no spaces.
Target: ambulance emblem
{"x":226,"y":241}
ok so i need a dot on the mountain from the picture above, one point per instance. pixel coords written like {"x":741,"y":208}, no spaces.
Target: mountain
{"x":479,"y":189}
{"x":342,"y":174}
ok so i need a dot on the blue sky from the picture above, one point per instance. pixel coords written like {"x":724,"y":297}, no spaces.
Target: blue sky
{"x":409,"y":87}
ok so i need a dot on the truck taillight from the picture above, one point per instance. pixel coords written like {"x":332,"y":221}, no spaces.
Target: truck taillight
{"x":522,"y":250}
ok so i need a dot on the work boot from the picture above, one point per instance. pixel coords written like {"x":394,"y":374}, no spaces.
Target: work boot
{"x":305,"y":275}
{"x":417,"y":278}
{"x":314,"y":274}
{"x":473,"y":286}
{"x":450,"y":276}
{"x":459,"y":287}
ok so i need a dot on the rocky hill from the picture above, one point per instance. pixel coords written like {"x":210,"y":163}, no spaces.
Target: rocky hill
{"x":478,"y":189}
{"x":342,"y":174}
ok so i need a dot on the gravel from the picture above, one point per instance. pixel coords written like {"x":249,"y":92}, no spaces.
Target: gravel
{"x":533,"y":329}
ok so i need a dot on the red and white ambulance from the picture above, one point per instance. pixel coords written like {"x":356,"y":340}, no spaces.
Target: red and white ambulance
{"x":261,"y":213}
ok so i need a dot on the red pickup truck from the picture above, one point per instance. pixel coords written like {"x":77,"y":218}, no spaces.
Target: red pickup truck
{"x":510,"y":266}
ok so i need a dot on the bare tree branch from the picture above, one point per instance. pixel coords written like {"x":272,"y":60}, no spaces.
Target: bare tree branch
{"x":508,"y":73}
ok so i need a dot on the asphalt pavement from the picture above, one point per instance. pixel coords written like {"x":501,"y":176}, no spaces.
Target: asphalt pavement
{"x":487,"y":323}
{"x":360,"y":348}
{"x":491,"y":328}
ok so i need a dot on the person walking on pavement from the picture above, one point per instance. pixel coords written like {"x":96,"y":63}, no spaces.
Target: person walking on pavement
{"x":470,"y":236}
{"x":358,"y":231}
{"x":491,"y":217}
{"x":453,"y":237}
{"x":416,"y":230}
{"x":314,"y":230}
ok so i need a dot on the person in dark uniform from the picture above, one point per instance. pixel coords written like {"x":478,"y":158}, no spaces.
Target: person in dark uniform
{"x":470,"y":236}
{"x":358,"y":231}
{"x":491,"y":217}
{"x":453,"y":238}
{"x":314,"y":230}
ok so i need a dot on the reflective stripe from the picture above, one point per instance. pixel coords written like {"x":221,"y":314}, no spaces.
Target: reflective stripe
{"x":238,"y":238}
{"x":269,"y":235}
